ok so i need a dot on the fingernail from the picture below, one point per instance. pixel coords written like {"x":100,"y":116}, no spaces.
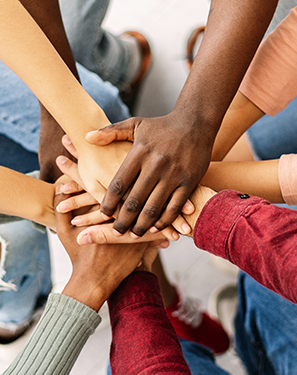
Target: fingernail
{"x":85,"y":239}
{"x":186,"y":228}
{"x":154,"y":230}
{"x":66,"y":188}
{"x":164,"y":244}
{"x":67,"y":140}
{"x":188,"y":207}
{"x":105,"y":217}
{"x":62,"y":207}
{"x":76,"y":221}
{"x":116,"y":233}
{"x":133,"y":235}
{"x":58,"y":189}
{"x":61,"y":159}
{"x":93,"y":132}
{"x":175,"y":236}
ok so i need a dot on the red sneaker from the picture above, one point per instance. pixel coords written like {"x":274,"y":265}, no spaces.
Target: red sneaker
{"x":190,"y":323}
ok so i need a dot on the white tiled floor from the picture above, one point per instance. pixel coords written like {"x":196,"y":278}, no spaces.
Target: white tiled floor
{"x":167,"y":24}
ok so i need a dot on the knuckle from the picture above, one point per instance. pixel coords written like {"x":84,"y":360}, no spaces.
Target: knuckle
{"x":152,"y":212}
{"x":101,"y":237}
{"x":120,"y":227}
{"x":139,"y":231}
{"x":161,"y":224}
{"x":73,"y":203}
{"x":132,"y":205}
{"x":106,"y":209}
{"x":174,"y":208}
{"x":116,"y":187}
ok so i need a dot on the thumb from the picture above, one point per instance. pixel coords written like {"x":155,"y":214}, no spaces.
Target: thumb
{"x":121,"y":131}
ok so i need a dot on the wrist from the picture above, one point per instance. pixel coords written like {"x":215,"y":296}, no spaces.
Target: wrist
{"x":199,"y":198}
{"x":96,"y":120}
{"x":86,"y":290}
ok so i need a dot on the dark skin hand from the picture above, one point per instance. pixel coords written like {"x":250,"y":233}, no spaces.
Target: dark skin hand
{"x":98,"y":269}
{"x":171,"y":154}
{"x":48,"y":16}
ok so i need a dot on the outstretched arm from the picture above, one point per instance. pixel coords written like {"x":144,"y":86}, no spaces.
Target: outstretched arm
{"x":48,"y":16}
{"x":161,"y":160}
{"x":26,"y":197}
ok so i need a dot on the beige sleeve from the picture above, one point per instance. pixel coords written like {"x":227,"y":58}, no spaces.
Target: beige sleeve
{"x":271,"y":80}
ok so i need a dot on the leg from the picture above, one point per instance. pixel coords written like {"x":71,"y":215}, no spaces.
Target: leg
{"x":187,"y":317}
{"x":96,"y":49}
{"x":27,"y":268}
{"x":200,"y":359}
{"x":265,"y":329}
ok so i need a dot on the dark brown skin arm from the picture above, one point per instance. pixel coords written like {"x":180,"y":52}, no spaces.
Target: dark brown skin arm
{"x":171,"y":154}
{"x":48,"y":16}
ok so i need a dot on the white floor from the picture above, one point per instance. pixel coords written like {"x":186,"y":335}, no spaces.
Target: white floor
{"x":167,"y":24}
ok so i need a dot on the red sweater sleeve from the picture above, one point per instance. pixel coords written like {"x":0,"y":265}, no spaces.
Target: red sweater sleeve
{"x":258,"y":237}
{"x":143,"y":339}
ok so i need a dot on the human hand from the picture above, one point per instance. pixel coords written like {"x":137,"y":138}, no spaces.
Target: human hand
{"x":71,"y":169}
{"x":97,"y":269}
{"x":200,"y":197}
{"x":165,"y":164}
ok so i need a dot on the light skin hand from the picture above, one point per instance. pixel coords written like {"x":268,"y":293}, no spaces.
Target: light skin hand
{"x":97,"y":269}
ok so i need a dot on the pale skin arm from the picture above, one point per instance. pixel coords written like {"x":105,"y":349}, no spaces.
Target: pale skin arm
{"x":241,"y":115}
{"x":32,"y":57}
{"x":26,"y":197}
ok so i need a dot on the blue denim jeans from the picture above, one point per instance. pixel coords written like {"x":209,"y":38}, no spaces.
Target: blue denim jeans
{"x":270,"y":137}
{"x":266,"y":326}
{"x":265,"y":334}
{"x":93,"y":47}
{"x":27,"y":261}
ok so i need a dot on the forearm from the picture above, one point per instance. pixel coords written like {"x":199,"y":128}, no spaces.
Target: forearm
{"x":49,"y":78}
{"x":64,"y":321}
{"x":240,"y":116}
{"x":256,"y":236}
{"x":233,"y":33}
{"x":45,"y":72}
{"x":259,"y":178}
{"x":47,"y":15}
{"x":26,"y":197}
{"x":136,"y":307}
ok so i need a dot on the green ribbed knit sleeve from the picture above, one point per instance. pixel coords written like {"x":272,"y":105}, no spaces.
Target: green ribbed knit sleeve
{"x":57,"y":340}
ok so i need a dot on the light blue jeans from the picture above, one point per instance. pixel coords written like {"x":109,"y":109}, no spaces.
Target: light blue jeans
{"x":27,"y":261}
{"x":265,"y":334}
{"x":93,"y":47}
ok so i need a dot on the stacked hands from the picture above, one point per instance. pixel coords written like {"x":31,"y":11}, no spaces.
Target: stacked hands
{"x":93,"y":243}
